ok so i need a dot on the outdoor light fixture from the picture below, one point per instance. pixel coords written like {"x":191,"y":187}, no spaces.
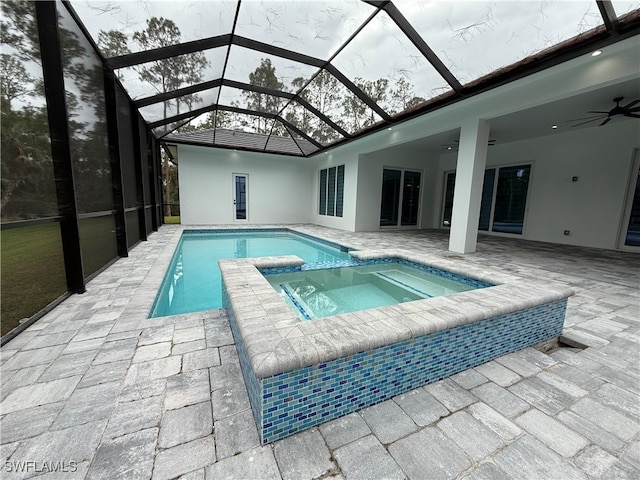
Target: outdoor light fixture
{"x":596,"y":53}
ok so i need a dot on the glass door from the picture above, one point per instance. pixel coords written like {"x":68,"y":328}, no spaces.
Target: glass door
{"x":240,"y":211}
{"x":631,"y":222}
{"x":400,"y":203}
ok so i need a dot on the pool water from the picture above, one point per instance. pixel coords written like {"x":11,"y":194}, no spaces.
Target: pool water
{"x":193,"y":282}
{"x":332,"y":291}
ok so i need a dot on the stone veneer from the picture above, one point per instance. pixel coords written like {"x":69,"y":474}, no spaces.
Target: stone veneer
{"x":301,"y":373}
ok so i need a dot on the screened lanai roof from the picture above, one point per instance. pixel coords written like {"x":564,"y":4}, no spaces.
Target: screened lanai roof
{"x":302,"y":76}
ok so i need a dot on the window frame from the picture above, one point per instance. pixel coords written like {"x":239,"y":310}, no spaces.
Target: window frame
{"x":398,"y":225}
{"x":331,"y":191}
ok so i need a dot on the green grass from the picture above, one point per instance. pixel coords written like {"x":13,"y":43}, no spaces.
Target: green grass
{"x":172,"y":220}
{"x":32,"y":272}
{"x":98,"y":242}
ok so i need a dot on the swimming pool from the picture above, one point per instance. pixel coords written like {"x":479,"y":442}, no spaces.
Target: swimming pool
{"x":193,"y":283}
{"x":332,"y":291}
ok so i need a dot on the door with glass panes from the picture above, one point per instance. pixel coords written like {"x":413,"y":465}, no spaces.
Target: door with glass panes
{"x":400,"y":205}
{"x":240,"y":207}
{"x":630,"y":234}
{"x":504,"y":199}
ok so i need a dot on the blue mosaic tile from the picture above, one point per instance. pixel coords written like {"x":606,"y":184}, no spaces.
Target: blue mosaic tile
{"x":342,"y":248}
{"x":297,"y":304}
{"x":319,"y":393}
{"x":274,"y":270}
{"x":472,"y":282}
{"x":199,"y":231}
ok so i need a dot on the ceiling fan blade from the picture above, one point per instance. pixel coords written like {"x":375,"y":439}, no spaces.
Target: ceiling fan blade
{"x":636,"y":109}
{"x":606,"y":121}
{"x":632,"y":115}
{"x":631,"y":104}
{"x":588,"y":121}
{"x":591,"y":117}
{"x":595,"y":111}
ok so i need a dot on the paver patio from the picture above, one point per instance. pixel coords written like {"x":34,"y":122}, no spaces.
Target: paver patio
{"x":95,"y":389}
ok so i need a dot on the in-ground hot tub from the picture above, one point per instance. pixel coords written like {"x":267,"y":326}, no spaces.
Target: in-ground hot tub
{"x":324,"y":292}
{"x":301,"y":373}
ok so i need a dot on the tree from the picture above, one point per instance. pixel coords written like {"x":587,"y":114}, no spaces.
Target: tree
{"x":377,"y":91}
{"x":402,"y":97}
{"x":113,"y":43}
{"x":169,"y":74}
{"x":264,"y":76}
{"x":20,"y":31}
{"x":15,"y":79}
{"x":354,"y":110}
{"x":323,"y":93}
{"x":28,"y":188}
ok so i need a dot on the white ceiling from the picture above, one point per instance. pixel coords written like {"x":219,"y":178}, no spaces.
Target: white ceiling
{"x":537,"y":121}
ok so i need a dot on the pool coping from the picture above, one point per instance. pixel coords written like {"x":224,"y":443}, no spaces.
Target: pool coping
{"x":277,"y":341}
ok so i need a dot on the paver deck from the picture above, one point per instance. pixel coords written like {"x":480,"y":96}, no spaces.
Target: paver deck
{"x":95,"y":389}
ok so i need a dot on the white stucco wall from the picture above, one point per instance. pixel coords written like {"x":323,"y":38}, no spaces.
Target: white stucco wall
{"x":370,"y":170}
{"x":592,"y":207}
{"x":278,"y":186}
{"x":328,"y":160}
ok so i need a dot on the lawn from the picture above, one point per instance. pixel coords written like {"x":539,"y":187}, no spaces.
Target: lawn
{"x":32,"y":272}
{"x":172,"y":220}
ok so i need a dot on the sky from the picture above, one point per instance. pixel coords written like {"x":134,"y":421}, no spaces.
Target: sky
{"x":472,"y":38}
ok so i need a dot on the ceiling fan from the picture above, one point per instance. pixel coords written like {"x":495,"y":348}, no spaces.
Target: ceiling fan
{"x":617,"y":111}
{"x":456,"y":143}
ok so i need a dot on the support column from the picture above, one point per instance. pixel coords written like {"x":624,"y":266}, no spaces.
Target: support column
{"x":53,"y":75}
{"x":111,"y":106}
{"x":472,"y":158}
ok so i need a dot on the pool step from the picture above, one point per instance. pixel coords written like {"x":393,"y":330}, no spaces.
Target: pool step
{"x":296,"y":300}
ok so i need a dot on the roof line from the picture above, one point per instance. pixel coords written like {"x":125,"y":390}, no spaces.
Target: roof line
{"x":200,"y":111}
{"x":270,"y":115}
{"x":229,"y":147}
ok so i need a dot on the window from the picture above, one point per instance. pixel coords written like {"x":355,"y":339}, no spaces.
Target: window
{"x":506,"y":214}
{"x":331,"y":191}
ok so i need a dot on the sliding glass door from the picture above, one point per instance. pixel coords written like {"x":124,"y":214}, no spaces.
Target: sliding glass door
{"x":400,"y":204}
{"x":631,"y":222}
{"x":503,"y":203}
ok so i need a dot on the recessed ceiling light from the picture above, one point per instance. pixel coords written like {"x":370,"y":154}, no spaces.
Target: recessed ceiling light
{"x":389,"y":128}
{"x":554,"y":126}
{"x":449,"y":148}
{"x":596,"y":53}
